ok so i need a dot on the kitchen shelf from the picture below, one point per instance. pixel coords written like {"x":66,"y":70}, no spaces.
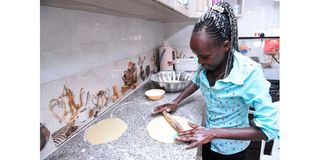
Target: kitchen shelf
{"x":271,"y":37}
{"x":152,"y":10}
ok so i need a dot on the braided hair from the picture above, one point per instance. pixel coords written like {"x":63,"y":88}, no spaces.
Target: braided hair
{"x":220,"y":24}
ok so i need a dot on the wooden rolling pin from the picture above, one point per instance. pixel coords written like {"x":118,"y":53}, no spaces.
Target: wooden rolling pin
{"x":173,"y":123}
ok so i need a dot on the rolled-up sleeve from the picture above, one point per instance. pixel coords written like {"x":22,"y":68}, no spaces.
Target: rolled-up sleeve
{"x":256,"y":94}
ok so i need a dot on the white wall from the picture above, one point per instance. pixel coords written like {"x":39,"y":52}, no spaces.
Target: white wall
{"x":72,"y":40}
{"x":178,"y":35}
{"x":258,"y":16}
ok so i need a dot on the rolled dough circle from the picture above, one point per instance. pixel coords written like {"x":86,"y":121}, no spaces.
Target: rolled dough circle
{"x":106,"y":131}
{"x":159,"y":129}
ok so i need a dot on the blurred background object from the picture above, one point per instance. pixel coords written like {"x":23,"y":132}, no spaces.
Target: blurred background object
{"x":44,"y":135}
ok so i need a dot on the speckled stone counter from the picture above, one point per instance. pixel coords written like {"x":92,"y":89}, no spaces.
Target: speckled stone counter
{"x":135,"y":143}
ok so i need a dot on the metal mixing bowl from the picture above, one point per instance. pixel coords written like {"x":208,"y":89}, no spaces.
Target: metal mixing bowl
{"x":171,"y":81}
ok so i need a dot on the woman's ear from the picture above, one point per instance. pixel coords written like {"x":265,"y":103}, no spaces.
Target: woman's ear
{"x":226,"y":46}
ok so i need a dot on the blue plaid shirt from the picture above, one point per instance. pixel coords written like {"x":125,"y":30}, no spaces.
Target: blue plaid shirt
{"x":228,"y":102}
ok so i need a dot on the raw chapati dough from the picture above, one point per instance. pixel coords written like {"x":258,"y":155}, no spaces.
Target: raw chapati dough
{"x":160,"y":130}
{"x":106,"y":131}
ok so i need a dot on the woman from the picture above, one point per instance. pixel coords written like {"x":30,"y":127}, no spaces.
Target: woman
{"x":230,"y":83}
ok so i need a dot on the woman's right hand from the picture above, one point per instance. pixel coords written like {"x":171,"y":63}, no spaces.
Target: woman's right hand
{"x":166,"y":107}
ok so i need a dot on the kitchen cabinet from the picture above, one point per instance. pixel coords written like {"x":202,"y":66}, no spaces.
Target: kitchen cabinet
{"x":198,"y":7}
{"x":153,"y":10}
{"x":189,"y":8}
{"x":176,"y":5}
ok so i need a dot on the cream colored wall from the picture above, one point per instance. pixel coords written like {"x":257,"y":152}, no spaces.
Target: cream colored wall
{"x":72,"y":40}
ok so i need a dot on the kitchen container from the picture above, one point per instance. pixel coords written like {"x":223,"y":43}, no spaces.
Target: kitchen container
{"x":171,"y":81}
{"x":167,"y":55}
{"x":155,"y":94}
{"x":186,"y":64}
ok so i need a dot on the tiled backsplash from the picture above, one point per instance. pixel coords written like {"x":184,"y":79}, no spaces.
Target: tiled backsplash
{"x":72,"y":40}
{"x":90,"y":51}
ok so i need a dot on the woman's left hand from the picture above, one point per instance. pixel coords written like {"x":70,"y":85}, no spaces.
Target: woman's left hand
{"x":198,"y":135}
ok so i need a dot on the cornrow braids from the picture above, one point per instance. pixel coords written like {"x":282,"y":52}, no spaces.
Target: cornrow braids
{"x":220,"y":24}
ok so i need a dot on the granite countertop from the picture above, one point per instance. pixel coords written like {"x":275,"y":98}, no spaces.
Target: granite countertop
{"x":135,"y":143}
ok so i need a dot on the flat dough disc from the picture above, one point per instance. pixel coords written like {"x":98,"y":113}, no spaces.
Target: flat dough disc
{"x":106,"y":131}
{"x":160,"y":130}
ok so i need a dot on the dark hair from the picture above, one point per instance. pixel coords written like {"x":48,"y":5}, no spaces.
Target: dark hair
{"x":220,"y":24}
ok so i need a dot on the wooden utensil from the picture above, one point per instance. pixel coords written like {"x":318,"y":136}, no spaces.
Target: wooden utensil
{"x":173,"y":123}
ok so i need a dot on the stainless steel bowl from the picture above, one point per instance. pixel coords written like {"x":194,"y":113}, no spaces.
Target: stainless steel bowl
{"x":171,"y":81}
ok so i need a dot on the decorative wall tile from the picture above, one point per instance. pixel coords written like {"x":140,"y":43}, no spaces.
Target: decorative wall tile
{"x":89,"y":51}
